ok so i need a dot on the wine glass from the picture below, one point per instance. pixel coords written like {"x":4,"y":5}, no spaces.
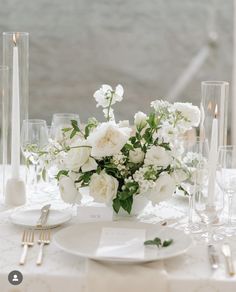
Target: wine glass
{"x":61,"y":121}
{"x":208,"y":212}
{"x":194,"y":151}
{"x":34,"y":138}
{"x":226,"y":179}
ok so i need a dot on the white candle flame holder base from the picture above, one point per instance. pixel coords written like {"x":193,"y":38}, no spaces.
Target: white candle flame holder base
{"x":15,"y":193}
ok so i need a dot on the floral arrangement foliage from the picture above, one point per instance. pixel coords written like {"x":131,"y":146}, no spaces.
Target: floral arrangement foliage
{"x":118,"y":162}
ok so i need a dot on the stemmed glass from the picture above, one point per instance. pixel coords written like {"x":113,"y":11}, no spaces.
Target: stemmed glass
{"x":61,"y":121}
{"x":209,"y":214}
{"x":194,"y":151}
{"x":226,"y":179}
{"x":34,"y":139}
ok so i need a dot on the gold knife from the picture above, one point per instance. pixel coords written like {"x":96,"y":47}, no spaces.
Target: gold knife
{"x":226,"y":250}
{"x":43,"y":216}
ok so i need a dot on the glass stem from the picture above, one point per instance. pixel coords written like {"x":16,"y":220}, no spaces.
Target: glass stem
{"x":229,"y":209}
{"x":190,"y":215}
{"x":35,"y":181}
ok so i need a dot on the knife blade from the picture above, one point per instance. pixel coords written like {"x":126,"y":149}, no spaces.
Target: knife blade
{"x":226,"y":250}
{"x":213,"y":257}
{"x":43,"y":216}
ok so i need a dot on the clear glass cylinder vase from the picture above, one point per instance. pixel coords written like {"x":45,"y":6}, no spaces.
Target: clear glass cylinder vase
{"x":214,"y":103}
{"x":15,"y":43}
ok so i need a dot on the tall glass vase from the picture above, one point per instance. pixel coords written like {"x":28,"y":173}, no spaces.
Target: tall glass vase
{"x":16,"y":58}
{"x":214,"y":103}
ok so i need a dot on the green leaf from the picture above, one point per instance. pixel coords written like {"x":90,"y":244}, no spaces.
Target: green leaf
{"x":116,"y":205}
{"x":167,"y":242}
{"x":127,"y":204}
{"x":156,"y":241}
{"x":62,"y":172}
{"x":44,"y":174}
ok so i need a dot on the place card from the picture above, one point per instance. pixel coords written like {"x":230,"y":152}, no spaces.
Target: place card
{"x":121,"y":243}
{"x":94,"y":214}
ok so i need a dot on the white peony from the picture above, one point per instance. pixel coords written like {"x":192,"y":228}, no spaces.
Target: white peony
{"x":103,"y":187}
{"x":190,"y":112}
{"x":68,"y":191}
{"x":164,"y":189}
{"x":105,"y":93}
{"x":78,"y":156}
{"x":136,"y":155}
{"x":158,"y":156}
{"x":140,"y":120}
{"x":89,"y":165}
{"x":108,"y":139}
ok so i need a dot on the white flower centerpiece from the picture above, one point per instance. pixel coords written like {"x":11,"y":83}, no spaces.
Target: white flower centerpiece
{"x":119,"y":162}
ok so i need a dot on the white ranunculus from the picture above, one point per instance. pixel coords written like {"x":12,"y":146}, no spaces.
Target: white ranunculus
{"x":104,"y":94}
{"x":164,"y":189}
{"x":89,"y":165}
{"x":179,"y":175}
{"x":136,"y":155}
{"x":190,"y":112}
{"x":108,"y":139}
{"x":158,"y":156}
{"x":68,"y":191}
{"x":76,"y":157}
{"x":103,"y":187}
{"x":140,"y":119}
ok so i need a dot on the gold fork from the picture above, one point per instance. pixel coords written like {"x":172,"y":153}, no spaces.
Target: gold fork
{"x":44,"y":238}
{"x":27,"y":241}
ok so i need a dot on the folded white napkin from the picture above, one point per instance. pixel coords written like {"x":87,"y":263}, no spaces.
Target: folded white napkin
{"x":112,"y":277}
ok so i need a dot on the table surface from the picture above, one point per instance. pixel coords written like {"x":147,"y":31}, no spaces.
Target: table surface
{"x":64,"y":272}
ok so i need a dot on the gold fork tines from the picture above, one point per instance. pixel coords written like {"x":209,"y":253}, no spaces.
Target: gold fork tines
{"x":44,"y":238}
{"x":27,"y":241}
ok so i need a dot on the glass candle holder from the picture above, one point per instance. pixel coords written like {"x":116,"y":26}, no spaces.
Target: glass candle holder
{"x":214,"y":103}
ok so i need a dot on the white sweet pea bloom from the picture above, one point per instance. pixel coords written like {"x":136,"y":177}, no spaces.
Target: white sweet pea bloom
{"x":68,"y":191}
{"x":163,"y":190}
{"x":109,"y":114}
{"x":103,"y":187}
{"x":136,"y":155}
{"x":124,"y":123}
{"x":190,"y":113}
{"x":108,"y":139}
{"x":77,"y":156}
{"x":140,"y":119}
{"x":89,"y":165}
{"x":179,"y":175}
{"x":104,"y":95}
{"x":158,"y":156}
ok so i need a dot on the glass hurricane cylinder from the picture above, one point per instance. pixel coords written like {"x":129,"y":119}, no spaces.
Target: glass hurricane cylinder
{"x":214,"y":103}
{"x":15,"y":44}
{"x":4,"y":91}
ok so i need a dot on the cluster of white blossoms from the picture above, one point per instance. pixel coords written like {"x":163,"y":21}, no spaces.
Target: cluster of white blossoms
{"x":117,"y":161}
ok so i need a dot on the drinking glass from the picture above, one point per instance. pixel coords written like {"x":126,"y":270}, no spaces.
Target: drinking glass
{"x":194,"y":151}
{"x":208,"y":212}
{"x":34,"y":139}
{"x":61,"y":121}
{"x":226,"y":179}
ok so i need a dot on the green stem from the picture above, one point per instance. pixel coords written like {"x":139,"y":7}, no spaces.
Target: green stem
{"x":109,"y":106}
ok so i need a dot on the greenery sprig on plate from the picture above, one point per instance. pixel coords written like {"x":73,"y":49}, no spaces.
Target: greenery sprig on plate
{"x":158,"y":242}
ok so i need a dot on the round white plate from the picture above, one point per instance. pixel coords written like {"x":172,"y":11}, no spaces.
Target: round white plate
{"x":29,"y":218}
{"x":83,"y":240}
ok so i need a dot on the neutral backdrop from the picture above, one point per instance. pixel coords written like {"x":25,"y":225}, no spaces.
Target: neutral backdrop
{"x":77,"y":45}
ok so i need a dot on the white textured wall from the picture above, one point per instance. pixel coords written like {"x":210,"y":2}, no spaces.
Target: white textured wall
{"x":76,"y":45}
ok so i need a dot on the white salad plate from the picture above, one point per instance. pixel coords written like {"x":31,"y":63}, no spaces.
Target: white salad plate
{"x":85,"y":239}
{"x":30,"y":217}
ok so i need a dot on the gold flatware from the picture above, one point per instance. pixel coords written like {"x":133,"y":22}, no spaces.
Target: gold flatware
{"x":27,"y":241}
{"x":43,"y":216}
{"x":226,"y":250}
{"x":44,"y":238}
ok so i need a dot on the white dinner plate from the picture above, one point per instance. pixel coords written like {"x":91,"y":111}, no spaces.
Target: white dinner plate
{"x":83,"y":240}
{"x":29,"y":218}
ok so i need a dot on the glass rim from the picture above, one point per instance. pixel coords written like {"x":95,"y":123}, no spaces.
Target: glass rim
{"x":215,"y":83}
{"x":226,"y":147}
{"x":22,"y":33}
{"x":4,"y":67}
{"x":65,"y":114}
{"x":35,"y":121}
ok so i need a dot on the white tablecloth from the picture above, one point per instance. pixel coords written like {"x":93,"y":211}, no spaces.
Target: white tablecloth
{"x":62,"y":272}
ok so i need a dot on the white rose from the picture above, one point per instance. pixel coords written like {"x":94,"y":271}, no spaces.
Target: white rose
{"x":190,"y":112}
{"x":158,"y":156}
{"x":140,"y":119}
{"x":78,"y":156}
{"x":136,"y":155}
{"x":108,"y":139}
{"x":103,"y":187}
{"x":68,"y":191}
{"x":104,"y":94}
{"x":164,"y":189}
{"x":89,"y":165}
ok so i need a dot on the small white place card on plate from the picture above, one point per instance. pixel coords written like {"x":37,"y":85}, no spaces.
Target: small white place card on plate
{"x":121,"y":243}
{"x":94,"y":213}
